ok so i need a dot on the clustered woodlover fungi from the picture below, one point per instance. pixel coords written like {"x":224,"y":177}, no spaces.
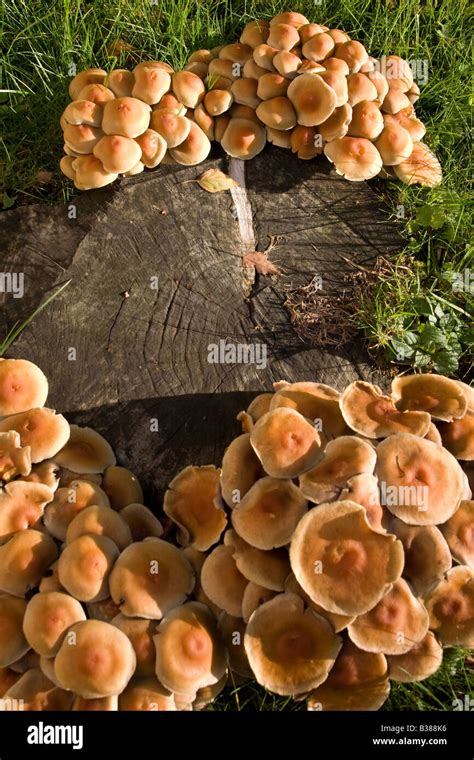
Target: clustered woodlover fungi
{"x":332,"y":552}
{"x":299,"y":85}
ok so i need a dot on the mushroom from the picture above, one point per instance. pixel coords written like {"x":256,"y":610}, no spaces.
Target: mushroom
{"x":81,"y":138}
{"x":458,"y":436}
{"x":291,"y":18}
{"x":35,"y":692}
{"x":96,"y":93}
{"x":282,"y":140}
{"x":104,"y":610}
{"x":358,"y":681}
{"x":13,"y":643}
{"x":232,"y":631}
{"x":415,"y":128}
{"x":451,"y":608}
{"x":316,"y":401}
{"x":193,"y":502}
{"x":122,"y":487}
{"x":422,"y":167}
{"x":394,"y":625}
{"x":265,"y":568}
{"x":190,"y":654}
{"x":244,"y":91}
{"x":282,"y":36}
{"x":459,"y":533}
{"x":427,"y":554}
{"x":22,"y":505}
{"x":95,"y":660}
{"x":367,"y":411}
{"x":331,"y":552}
{"x":360,"y":89}
{"x":354,"y":158}
{"x":339,"y":622}
{"x":141,"y":521}
{"x":243,"y":138}
{"x":398,"y":72}
{"x":366,"y":121}
{"x":308,"y":30}
{"x":269,"y":513}
{"x":343,"y":457}
{"x":86,"y":451}
{"x":222,"y":581}
{"x":100,"y":521}
{"x":23,"y":386}
{"x":353,"y":53}
{"x":217,"y":102}
{"x":151,"y":83}
{"x":277,"y":113}
{"x":286,"y":443}
{"x":255,"y":33}
{"x":241,"y":468}
{"x":194,"y":149}
{"x":188,"y":88}
{"x":140,"y":632}
{"x":170,"y":102}
{"x":395,"y":101}
{"x":204,"y":121}
{"x":90,"y":76}
{"x":290,"y":650}
{"x":363,"y":489}
{"x":380,"y":84}
{"x":422,"y":483}
{"x":50,"y":579}
{"x":313,"y":99}
{"x":207,"y":695}
{"x":259,"y":406}
{"x":419,"y":663}
{"x":304,"y":142}
{"x":394,"y":144}
{"x":90,"y":173}
{"x":47,"y":619}
{"x":65,"y":165}
{"x":118,"y":154}
{"x":150,"y":578}
{"x":121,"y":82}
{"x":44,"y":431}
{"x":271,"y":85}
{"x":68,"y":502}
{"x":23,"y":560}
{"x":45,"y":473}
{"x":172,"y":127}
{"x":128,"y":117}
{"x":85,"y":565}
{"x":443,"y":398}
{"x":318,"y":47}
{"x":82,"y":112}
{"x":146,"y":694}
{"x":337,"y":65}
{"x":254,"y":596}
{"x":287,"y":63}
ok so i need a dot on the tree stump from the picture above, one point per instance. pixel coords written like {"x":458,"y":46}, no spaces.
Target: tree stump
{"x":157,"y":279}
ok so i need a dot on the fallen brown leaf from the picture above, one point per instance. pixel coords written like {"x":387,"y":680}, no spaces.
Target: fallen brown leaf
{"x":215,"y":181}
{"x":261,"y":262}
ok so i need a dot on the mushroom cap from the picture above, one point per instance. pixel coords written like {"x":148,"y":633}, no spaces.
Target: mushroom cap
{"x":420,"y":662}
{"x":254,"y":596}
{"x":170,"y":102}
{"x":451,"y":608}
{"x":217,"y":102}
{"x":353,"y":53}
{"x":222,"y":581}
{"x":338,"y":82}
{"x":100,"y":521}
{"x":150,"y":578}
{"x":90,"y":76}
{"x":315,"y":401}
{"x":146,"y":694}
{"x":363,"y":489}
{"x":269,"y":513}
{"x":422,"y":167}
{"x":65,"y":165}
{"x":232,"y":631}
{"x":37,"y":693}
{"x":155,"y":64}
{"x":85,"y":565}
{"x":194,"y":149}
{"x":423,"y":483}
{"x":304,"y":143}
{"x":151,"y":83}
{"x":45,"y":473}
{"x":282,"y":140}
{"x":13,"y":643}
{"x":118,"y":154}
{"x":442,"y":397}
{"x":86,"y":451}
{"x":337,"y":65}
{"x":289,"y":17}
{"x":193,"y":502}
{"x":395,"y":101}
{"x":394,"y":625}
{"x":360,"y":88}
{"x":47,"y":619}
{"x":255,"y":33}
{"x":82,"y":112}
{"x":458,"y":436}
{"x":358,"y":681}
{"x":190,"y":653}
{"x":277,"y":113}
{"x":244,"y":91}
{"x":243,"y":138}
{"x":271,"y":85}
{"x":122,"y":487}
{"x":121,"y":82}
{"x":313,"y":99}
{"x":81,"y":138}
{"x":141,"y":521}
{"x":95,"y":660}
{"x":50,"y":579}
{"x":398,"y":73}
{"x":241,"y":468}
{"x":319,"y":47}
{"x":68,"y":502}
{"x":238,"y":111}
{"x":415,"y":128}
{"x":201,"y":56}
{"x":380,"y":84}
{"x":283,"y":36}
{"x":90,"y":174}
{"x":259,"y":405}
{"x":343,"y":458}
{"x":394,"y":144}
{"x":44,"y":431}
{"x":23,"y":560}
{"x":140,"y":632}
{"x":23,"y":386}
{"x":22,"y":505}
{"x":128,"y":117}
{"x":287,"y":63}
{"x":285,"y":442}
{"x":367,"y":411}
{"x":290,"y":649}
{"x":96,"y":93}
{"x":265,"y":568}
{"x":427,"y":554}
{"x":459,"y":533}
{"x":355,"y":158}
{"x":366,"y":121}
{"x":331,"y":552}
{"x":188,"y":88}
{"x":172,"y":127}
{"x":339,"y":622}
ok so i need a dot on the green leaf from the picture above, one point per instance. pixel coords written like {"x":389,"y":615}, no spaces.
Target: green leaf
{"x":446,"y":362}
{"x":7,"y":201}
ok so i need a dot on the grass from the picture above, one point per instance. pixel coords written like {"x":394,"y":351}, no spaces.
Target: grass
{"x":413,"y":316}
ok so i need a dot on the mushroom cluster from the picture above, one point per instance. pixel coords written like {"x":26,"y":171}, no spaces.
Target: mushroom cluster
{"x":332,"y":552}
{"x":297,"y":84}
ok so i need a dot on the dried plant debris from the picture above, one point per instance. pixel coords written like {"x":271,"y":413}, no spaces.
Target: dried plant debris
{"x":300,"y":85}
